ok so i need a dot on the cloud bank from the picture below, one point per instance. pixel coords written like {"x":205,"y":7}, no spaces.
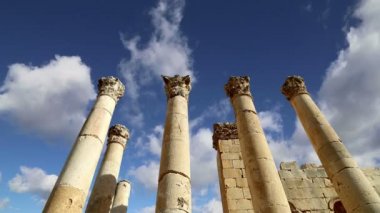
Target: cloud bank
{"x":34,"y":181}
{"x":49,"y":100}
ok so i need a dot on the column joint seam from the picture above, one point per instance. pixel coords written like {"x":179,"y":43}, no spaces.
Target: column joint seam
{"x":174,"y":172}
{"x":92,"y":135}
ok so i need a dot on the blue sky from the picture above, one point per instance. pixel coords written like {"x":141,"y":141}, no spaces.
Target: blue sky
{"x":53,"y":53}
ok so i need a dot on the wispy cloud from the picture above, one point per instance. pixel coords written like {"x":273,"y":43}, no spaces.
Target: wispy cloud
{"x":49,"y":100}
{"x":4,"y":203}
{"x":349,"y":95}
{"x":166,"y":53}
{"x":34,"y":181}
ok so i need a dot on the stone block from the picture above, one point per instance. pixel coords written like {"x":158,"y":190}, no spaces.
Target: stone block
{"x":288,"y":165}
{"x":244,"y":204}
{"x":246,"y":193}
{"x":238,"y":164}
{"x":229,"y":183}
{"x":329,"y":192}
{"x":234,"y":193}
{"x":227,"y":164}
{"x":235,"y":148}
{"x":241,"y":182}
{"x":232,"y":173}
{"x":231,"y":156}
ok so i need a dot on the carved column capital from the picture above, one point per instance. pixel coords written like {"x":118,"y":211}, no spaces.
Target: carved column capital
{"x":238,"y":85}
{"x":111,"y":86}
{"x":294,"y":85}
{"x":177,"y":85}
{"x":118,"y":134}
{"x":224,"y":131}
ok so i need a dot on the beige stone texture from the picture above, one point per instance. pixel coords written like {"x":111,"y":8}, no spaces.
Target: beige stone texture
{"x":174,"y":189}
{"x":106,"y":181}
{"x":349,"y":182}
{"x":265,"y":186}
{"x":120,"y":203}
{"x":233,"y":186}
{"x":75,"y":178}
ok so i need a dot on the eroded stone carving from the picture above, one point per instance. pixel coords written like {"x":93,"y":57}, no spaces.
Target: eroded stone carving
{"x":177,"y":85}
{"x":118,"y":134}
{"x":111,"y":86}
{"x":238,"y":85}
{"x":224,"y":131}
{"x":294,"y":85}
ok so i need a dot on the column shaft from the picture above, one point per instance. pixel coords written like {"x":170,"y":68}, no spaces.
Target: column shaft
{"x":120,"y":203}
{"x":265,"y":186}
{"x":105,"y":184}
{"x":70,"y":191}
{"x":174,"y":189}
{"x":351,"y":185}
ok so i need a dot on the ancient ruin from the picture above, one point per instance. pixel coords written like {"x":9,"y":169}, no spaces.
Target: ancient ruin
{"x":174,"y":188}
{"x":248,"y":178}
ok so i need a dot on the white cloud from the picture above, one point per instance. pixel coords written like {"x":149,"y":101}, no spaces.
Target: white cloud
{"x":212,"y":206}
{"x":202,"y":153}
{"x":4,"y":203}
{"x":349,"y":95}
{"x":271,"y":121}
{"x":34,"y":181}
{"x":146,"y":174}
{"x":51,"y":99}
{"x":166,"y":53}
{"x":219,"y":110}
{"x":148,"y":209}
{"x":150,"y":143}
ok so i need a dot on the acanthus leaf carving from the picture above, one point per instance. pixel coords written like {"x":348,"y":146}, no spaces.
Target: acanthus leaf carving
{"x":293,"y":85}
{"x":238,"y":85}
{"x":177,"y":85}
{"x":224,"y":131}
{"x":111,"y":86}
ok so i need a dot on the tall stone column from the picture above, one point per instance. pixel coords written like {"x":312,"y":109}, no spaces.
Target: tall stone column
{"x":349,"y":181}
{"x":174,"y":190}
{"x":70,"y":191}
{"x":105,"y":184}
{"x":265,"y":186}
{"x":120,"y":203}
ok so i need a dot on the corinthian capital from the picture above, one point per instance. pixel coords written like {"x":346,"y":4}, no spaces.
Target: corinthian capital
{"x":224,"y":131}
{"x":294,"y":85}
{"x":118,"y":134}
{"x":111,"y":86}
{"x":237,"y":85}
{"x":177,"y":85}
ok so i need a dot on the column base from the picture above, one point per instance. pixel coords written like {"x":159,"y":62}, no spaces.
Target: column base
{"x":65,"y":199}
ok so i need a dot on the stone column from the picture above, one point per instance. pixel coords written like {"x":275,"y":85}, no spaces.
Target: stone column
{"x":265,"y":186}
{"x":106,"y":181}
{"x":120,"y":203}
{"x":233,"y":183}
{"x":70,"y":191}
{"x":349,"y":181}
{"x":174,"y":190}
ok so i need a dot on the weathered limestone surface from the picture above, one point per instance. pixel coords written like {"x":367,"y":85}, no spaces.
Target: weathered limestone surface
{"x":105,"y":184}
{"x":235,"y":193}
{"x":174,"y":189}
{"x":120,"y":203}
{"x":264,"y":183}
{"x":310,"y":190}
{"x":353,"y":187}
{"x":71,"y":188}
{"x":307,"y":188}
